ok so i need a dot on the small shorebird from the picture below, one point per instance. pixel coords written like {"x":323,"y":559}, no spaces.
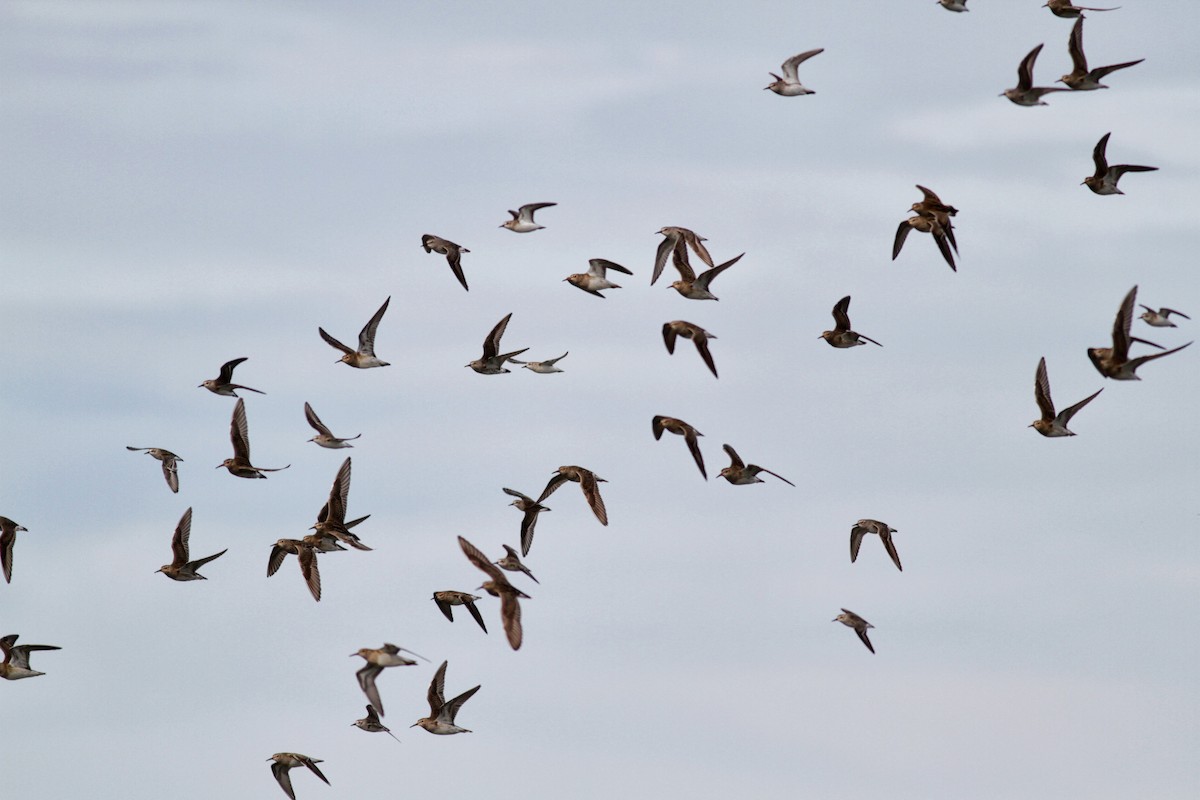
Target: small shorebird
{"x":221,"y":384}
{"x":492,"y":360}
{"x":932,"y":206}
{"x":741,"y":473}
{"x":169,"y":467}
{"x":954,"y":5}
{"x":531,"y":508}
{"x":371,"y":724}
{"x":589,"y":482}
{"x":542,"y":367}
{"x":860,"y":625}
{"x":677,"y":236}
{"x":522,"y":219}
{"x":1159,"y":319}
{"x":695,"y":287}
{"x":925,"y":224}
{"x":448,"y":598}
{"x":595,"y":279}
{"x":841,"y":335}
{"x":789,"y":85}
{"x":8,"y":538}
{"x":16,"y":658}
{"x":364,"y":357}
{"x":1104,"y":181}
{"x":1052,"y":424}
{"x":285,"y":761}
{"x":324,"y":437}
{"x":452,"y":252}
{"x":331,"y":519}
{"x":660,"y":423}
{"x":865,"y":526}
{"x":306,"y":554}
{"x":442,"y":713}
{"x":498,"y":586}
{"x":377,"y":659}
{"x":239,"y":434}
{"x":1114,"y":362}
{"x":1080,"y":78}
{"x":180,"y":569}
{"x":1065,"y":9}
{"x":1025,"y":93}
{"x":691,"y":331}
{"x":512,"y":563}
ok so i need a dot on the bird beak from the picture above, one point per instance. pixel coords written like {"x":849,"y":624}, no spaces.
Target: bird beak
{"x":218,"y":466}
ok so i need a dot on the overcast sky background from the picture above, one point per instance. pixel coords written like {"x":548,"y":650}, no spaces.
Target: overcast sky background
{"x":184,"y":184}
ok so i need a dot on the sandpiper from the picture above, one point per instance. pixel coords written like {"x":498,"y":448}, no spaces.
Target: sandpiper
{"x":180,"y":569}
{"x":660,"y":423}
{"x":16,"y":658}
{"x":865,"y":526}
{"x":512,"y":563}
{"x":1025,"y":93}
{"x":691,"y":331}
{"x":221,"y":384}
{"x":377,"y":659}
{"x":239,"y":434}
{"x":285,"y":761}
{"x":8,"y":538}
{"x":522,"y":219}
{"x":492,"y":360}
{"x":371,"y":724}
{"x":1052,"y":424}
{"x":740,"y":473}
{"x":932,"y":206}
{"x":542,"y":367}
{"x":860,"y":625}
{"x":691,"y":286}
{"x":307,"y":556}
{"x":364,"y":357}
{"x":925,"y":224}
{"x":325,"y":437}
{"x":841,"y":335}
{"x":789,"y":85}
{"x":448,"y":598}
{"x":954,"y":5}
{"x":1159,"y":319}
{"x":1065,"y":9}
{"x":452,"y":252}
{"x":595,"y":279}
{"x":531,"y":508}
{"x":589,"y":482}
{"x":1104,"y":181}
{"x":331,"y":519}
{"x":1114,"y":362}
{"x":498,"y":586}
{"x":169,"y":464}
{"x":1080,"y":78}
{"x":677,"y":236}
{"x":442,"y":713}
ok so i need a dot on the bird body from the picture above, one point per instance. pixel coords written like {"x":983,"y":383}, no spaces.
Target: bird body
{"x":452,"y":252}
{"x":841,"y":336}
{"x":364,"y":357}
{"x":698,"y":335}
{"x":169,"y":464}
{"x":16,"y":658}
{"x":8,"y":540}
{"x":286,"y":761}
{"x":1104,"y":180}
{"x":1025,"y":93}
{"x":180,"y":568}
{"x":789,"y":85}
{"x":1051,"y":424}
{"x":442,"y":713}
{"x":239,"y":434}
{"x":492,"y":360}
{"x":1114,"y":362}
{"x":860,"y":625}
{"x":596,"y":279}
{"x":740,"y":473}
{"x":522,"y":219}
{"x":883,"y":530}
{"x":658,"y":424}
{"x":221,"y":384}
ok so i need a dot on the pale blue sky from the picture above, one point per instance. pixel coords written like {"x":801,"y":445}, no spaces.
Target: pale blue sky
{"x":186,"y":183}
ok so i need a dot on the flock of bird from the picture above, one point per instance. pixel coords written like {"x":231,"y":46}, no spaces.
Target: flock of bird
{"x":333,"y":532}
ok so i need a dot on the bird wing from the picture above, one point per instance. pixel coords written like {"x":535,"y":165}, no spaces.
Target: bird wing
{"x":437,"y":689}
{"x":450,"y":709}
{"x":1100,"y":72}
{"x":366,"y":681}
{"x":470,"y":604}
{"x":790,"y":67}
{"x":552,"y":485}
{"x":734,"y":457}
{"x":226,"y":374}
{"x":701,"y":340}
{"x":856,"y":537}
{"x":454,"y":259}
{"x":841,"y":315}
{"x":7,"y":540}
{"x":1098,"y":156}
{"x":315,"y":421}
{"x":591,"y":492}
{"x":476,"y":557}
{"x":1041,"y":391}
{"x":179,"y":542}
{"x":1065,"y":416}
{"x":366,"y":337}
{"x":597,"y":266}
{"x":709,"y":275}
{"x":239,"y":432}
{"x":528,"y":209}
{"x":491,"y":345}
{"x":679,"y":259}
{"x":668,"y":331}
{"x":901,"y":235}
{"x":1120,"y":332}
{"x":890,"y":546}
{"x":1075,"y":47}
{"x":334,"y":342}
{"x":308,"y":762}
{"x":285,"y":779}
{"x":510,"y":615}
{"x":171,"y":473}
{"x":660,"y":256}
{"x":754,"y":469}
{"x":308,"y":568}
{"x":1025,"y":69}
